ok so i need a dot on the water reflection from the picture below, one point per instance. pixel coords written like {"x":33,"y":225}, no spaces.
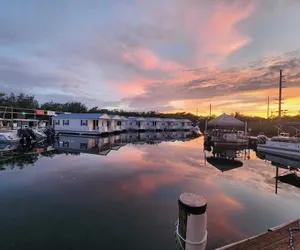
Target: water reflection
{"x":71,"y":202}
{"x":104,"y":145}
{"x":292,"y":167}
{"x":16,"y":156}
{"x":226,"y":159}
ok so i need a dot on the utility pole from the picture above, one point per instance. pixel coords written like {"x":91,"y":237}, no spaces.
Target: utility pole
{"x":280,"y":95}
{"x":210,"y":110}
{"x":268,"y":110}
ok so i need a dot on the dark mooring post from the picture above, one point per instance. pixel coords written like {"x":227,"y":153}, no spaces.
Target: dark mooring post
{"x":276,"y":183}
{"x":191,"y":229}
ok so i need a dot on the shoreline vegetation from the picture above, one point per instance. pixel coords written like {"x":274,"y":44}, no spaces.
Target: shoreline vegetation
{"x":18,"y":101}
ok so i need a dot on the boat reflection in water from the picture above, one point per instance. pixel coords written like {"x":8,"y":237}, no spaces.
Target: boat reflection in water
{"x":292,"y":167}
{"x":226,"y":159}
{"x":103,"y":145}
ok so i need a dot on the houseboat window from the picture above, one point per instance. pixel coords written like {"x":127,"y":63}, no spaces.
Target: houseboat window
{"x":119,"y":123}
{"x":183,"y":124}
{"x":66,"y":122}
{"x":83,"y":146}
{"x":56,"y":122}
{"x":84,"y":122}
{"x":66,"y":144}
{"x":154,"y":123}
{"x":138,"y":124}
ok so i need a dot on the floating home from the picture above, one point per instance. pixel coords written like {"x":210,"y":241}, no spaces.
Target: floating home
{"x":96,"y":124}
{"x":117,"y":123}
{"x":137,"y":123}
{"x":83,"y":123}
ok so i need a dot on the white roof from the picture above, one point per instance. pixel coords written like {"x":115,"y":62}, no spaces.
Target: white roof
{"x":152,"y":119}
{"x":225,"y":121}
{"x":115,"y":117}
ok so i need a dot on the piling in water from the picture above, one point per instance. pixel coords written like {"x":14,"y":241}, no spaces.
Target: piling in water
{"x":191,"y":230}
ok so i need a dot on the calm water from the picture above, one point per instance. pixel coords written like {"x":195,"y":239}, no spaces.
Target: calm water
{"x":124,"y":196}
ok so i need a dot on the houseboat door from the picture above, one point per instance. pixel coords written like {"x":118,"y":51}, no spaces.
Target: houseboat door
{"x":95,"y":124}
{"x":108,"y":125}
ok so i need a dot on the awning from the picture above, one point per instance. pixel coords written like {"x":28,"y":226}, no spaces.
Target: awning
{"x":225,"y":121}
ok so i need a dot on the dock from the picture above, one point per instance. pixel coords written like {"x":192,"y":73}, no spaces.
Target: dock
{"x":276,"y":238}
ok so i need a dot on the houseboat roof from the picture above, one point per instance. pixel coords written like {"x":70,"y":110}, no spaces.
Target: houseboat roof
{"x":225,"y":120}
{"x":152,"y":118}
{"x":115,"y":117}
{"x":82,"y":116}
{"x":169,"y":119}
{"x":185,"y":120}
{"x":136,"y":118}
{"x":124,"y":118}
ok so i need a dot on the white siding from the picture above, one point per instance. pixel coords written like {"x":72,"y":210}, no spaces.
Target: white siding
{"x":74,"y":125}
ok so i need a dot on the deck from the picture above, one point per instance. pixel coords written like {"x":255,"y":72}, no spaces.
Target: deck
{"x":276,"y":238}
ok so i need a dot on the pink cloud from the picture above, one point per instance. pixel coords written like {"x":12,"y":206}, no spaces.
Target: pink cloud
{"x":219,"y":35}
{"x":148,"y":60}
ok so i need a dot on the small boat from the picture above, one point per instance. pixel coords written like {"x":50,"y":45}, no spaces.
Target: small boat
{"x":283,"y":144}
{"x":9,"y":136}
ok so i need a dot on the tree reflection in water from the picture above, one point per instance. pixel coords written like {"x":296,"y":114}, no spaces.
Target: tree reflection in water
{"x":18,"y":157}
{"x":21,"y":157}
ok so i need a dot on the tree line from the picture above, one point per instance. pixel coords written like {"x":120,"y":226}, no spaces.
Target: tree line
{"x":256,"y":123}
{"x":29,"y":102}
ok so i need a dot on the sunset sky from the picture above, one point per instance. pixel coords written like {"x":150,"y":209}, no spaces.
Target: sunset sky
{"x":167,"y":55}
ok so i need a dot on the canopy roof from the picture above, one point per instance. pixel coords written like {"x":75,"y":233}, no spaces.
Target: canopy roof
{"x":225,"y":121}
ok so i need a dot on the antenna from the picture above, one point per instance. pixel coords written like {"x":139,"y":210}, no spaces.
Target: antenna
{"x":268,"y":109}
{"x":280,"y":99}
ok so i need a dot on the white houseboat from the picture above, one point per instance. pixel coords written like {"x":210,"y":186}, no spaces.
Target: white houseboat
{"x":83,"y":123}
{"x":137,"y":123}
{"x":168,"y":123}
{"x":116,"y":123}
{"x":153,"y":123}
{"x":125,"y":123}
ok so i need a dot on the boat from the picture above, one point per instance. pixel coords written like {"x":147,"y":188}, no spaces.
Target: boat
{"x":22,"y":128}
{"x":284,"y":144}
{"x":7,"y":136}
{"x":196,"y":130}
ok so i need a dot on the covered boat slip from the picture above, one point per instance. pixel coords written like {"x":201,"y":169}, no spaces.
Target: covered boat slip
{"x":223,"y":132}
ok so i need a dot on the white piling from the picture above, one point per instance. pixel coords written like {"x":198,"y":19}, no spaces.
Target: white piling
{"x":191,"y":230}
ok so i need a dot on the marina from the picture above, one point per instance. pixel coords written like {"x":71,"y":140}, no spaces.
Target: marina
{"x":136,"y":173}
{"x":128,"y":125}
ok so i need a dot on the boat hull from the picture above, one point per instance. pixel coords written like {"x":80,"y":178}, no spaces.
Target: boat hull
{"x":287,"y":149}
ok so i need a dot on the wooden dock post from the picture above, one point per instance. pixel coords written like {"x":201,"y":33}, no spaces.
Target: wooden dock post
{"x":191,"y":229}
